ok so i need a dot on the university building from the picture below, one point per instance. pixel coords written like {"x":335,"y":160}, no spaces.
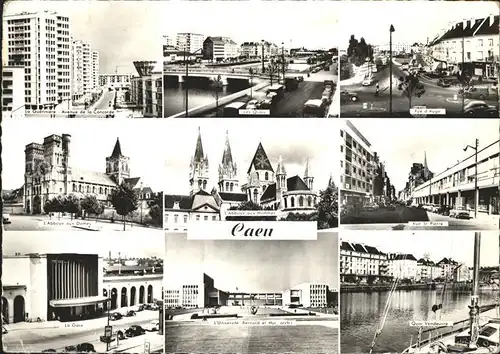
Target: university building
{"x":50,"y":172}
{"x":266,"y":186}
{"x":146,"y":89}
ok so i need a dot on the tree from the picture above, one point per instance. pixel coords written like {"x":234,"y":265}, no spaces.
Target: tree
{"x":410,"y":87}
{"x":328,"y":207}
{"x":251,"y":73}
{"x":124,"y":200}
{"x":72,"y":205}
{"x":272,"y":70}
{"x":91,"y":205}
{"x":156,"y":209}
{"x":217,"y":87}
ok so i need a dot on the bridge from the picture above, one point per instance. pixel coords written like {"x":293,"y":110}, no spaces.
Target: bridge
{"x":212,"y":73}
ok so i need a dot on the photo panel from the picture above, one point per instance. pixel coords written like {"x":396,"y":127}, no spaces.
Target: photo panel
{"x":218,"y":301}
{"x":69,"y":60}
{"x":68,"y":293}
{"x":82,"y":175}
{"x":419,"y":292}
{"x":250,"y":179}
{"x":228,"y":69}
{"x":420,"y":175}
{"x":446,"y":68}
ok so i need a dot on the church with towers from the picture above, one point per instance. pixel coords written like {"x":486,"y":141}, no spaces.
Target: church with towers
{"x":265,"y":185}
{"x":50,"y":172}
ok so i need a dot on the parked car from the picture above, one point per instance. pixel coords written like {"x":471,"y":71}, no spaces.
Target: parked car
{"x":463,"y":215}
{"x":252,"y":104}
{"x":443,"y":82}
{"x":153,"y":326}
{"x":444,"y":210}
{"x":480,"y":93}
{"x":115,"y":316}
{"x":134,"y":331}
{"x":348,"y":96}
{"x":480,"y":109}
{"x":314,"y":108}
{"x":6,"y":218}
{"x":368,"y":81}
{"x":315,"y":70}
{"x":300,"y":78}
{"x":85,"y":348}
{"x":130,"y":313}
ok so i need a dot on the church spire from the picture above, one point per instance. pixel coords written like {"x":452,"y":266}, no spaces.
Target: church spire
{"x":307,"y":170}
{"x":280,"y":169}
{"x":198,"y":153}
{"x":308,"y":178}
{"x":227,"y":157}
{"x":425,"y":160}
{"x":117,"y":150}
{"x":228,"y":180}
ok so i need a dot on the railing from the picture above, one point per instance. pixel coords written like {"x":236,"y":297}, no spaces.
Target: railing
{"x":210,"y":71}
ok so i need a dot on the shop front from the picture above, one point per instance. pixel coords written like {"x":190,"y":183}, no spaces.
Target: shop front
{"x":76,"y":309}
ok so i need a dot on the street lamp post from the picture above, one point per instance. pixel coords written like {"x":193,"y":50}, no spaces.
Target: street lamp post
{"x":476,"y":192}
{"x":391,"y":29}
{"x":463,"y":73}
{"x":108,"y":305}
{"x":283,"y":60}
{"x":141,"y":200}
{"x":263,"y":67}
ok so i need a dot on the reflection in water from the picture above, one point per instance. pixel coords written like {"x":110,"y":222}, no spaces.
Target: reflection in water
{"x":361,"y":314}
{"x":200,"y":93}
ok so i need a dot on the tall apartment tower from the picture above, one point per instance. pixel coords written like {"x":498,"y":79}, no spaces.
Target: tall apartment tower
{"x":190,"y":42}
{"x":85,"y":69}
{"x":40,"y":42}
{"x":95,"y":69}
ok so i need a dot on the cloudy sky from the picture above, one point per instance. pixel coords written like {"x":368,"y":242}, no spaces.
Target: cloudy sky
{"x":458,"y":245}
{"x":134,"y":244}
{"x":293,"y":139}
{"x":122,"y":31}
{"x":404,"y":141}
{"x":255,"y":266}
{"x":91,"y":142}
{"x":306,"y":23}
{"x":413,"y":21}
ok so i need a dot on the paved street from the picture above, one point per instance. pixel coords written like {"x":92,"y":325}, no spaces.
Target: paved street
{"x":104,"y":101}
{"x":398,"y":219}
{"x":434,"y":97}
{"x":44,"y":223}
{"x":35,"y":337}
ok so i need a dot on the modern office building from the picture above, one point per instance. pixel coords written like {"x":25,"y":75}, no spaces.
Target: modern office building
{"x":197,"y":290}
{"x":220,"y":48}
{"x":475,"y":42}
{"x":454,"y":187}
{"x":115,"y":81}
{"x":40,"y":42}
{"x":357,"y":164}
{"x":190,"y":42}
{"x":13,"y":92}
{"x":146,"y":89}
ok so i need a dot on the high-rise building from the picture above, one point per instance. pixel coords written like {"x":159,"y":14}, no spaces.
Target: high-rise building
{"x":40,"y":42}
{"x":190,"y":42}
{"x":85,"y":69}
{"x":12,"y":92}
{"x":95,"y":69}
{"x":77,"y":74}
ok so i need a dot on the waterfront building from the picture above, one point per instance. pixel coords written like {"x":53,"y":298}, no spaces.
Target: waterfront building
{"x":50,"y":172}
{"x":255,"y":49}
{"x":403,"y":266}
{"x":70,"y":286}
{"x":427,"y":270}
{"x":115,"y":81}
{"x":268,"y":187}
{"x":47,"y":67}
{"x":146,"y":89}
{"x":362,"y":263}
{"x":220,"y":48}
{"x":448,"y":266}
{"x":190,"y":42}
{"x":13,"y":92}
{"x":358,"y":166}
{"x":454,"y":187}
{"x":473,"y":42}
{"x":462,"y":273}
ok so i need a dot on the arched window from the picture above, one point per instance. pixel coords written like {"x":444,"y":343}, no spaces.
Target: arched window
{"x":80,"y":188}
{"x":199,"y":183}
{"x":257,"y":174}
{"x":286,"y":204}
{"x":100,"y":190}
{"x":88,"y":189}
{"x":231,"y":187}
{"x":93,"y":189}
{"x":266,"y":176}
{"x":204,"y":184}
{"x":292,"y":202}
{"x":74,"y":187}
{"x":255,"y":196}
{"x":309,"y":201}
{"x":301,"y":201}
{"x":227,"y":186}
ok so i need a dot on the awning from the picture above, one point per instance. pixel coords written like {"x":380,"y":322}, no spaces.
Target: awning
{"x":81,"y":301}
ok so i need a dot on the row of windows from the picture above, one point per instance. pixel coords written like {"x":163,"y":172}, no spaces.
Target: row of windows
{"x":185,"y":218}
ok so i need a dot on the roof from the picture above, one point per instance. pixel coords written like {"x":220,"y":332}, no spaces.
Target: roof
{"x":185,"y":201}
{"x":403,"y":257}
{"x":477,"y":27}
{"x":117,"y":150}
{"x":233,"y":197}
{"x":132,"y":181}
{"x":294,"y":183}
{"x":201,"y":199}
{"x":346,"y":246}
{"x":219,"y":39}
{"x":92,"y":177}
{"x":260,"y":160}
{"x":426,"y":262}
{"x":198,"y":152}
{"x":227,"y":157}
{"x":447,"y":261}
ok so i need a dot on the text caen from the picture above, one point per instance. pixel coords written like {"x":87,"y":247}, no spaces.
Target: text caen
{"x":241,"y":230}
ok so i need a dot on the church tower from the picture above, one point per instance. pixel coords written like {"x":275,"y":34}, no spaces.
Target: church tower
{"x":260,"y":174}
{"x":117,"y":165}
{"x":281,"y":186}
{"x":426,"y":168}
{"x":308,"y":178}
{"x":228,"y":171}
{"x":198,"y":168}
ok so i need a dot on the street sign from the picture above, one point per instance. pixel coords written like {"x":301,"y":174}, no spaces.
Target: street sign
{"x":108,"y":331}
{"x":147,"y":347}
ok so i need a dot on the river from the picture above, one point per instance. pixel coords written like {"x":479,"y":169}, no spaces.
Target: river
{"x":200,"y":93}
{"x":361,"y":314}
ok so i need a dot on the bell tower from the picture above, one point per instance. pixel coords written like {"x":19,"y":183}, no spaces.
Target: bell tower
{"x":198,"y":168}
{"x":308,"y":178}
{"x":228,"y":171}
{"x":117,"y":165}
